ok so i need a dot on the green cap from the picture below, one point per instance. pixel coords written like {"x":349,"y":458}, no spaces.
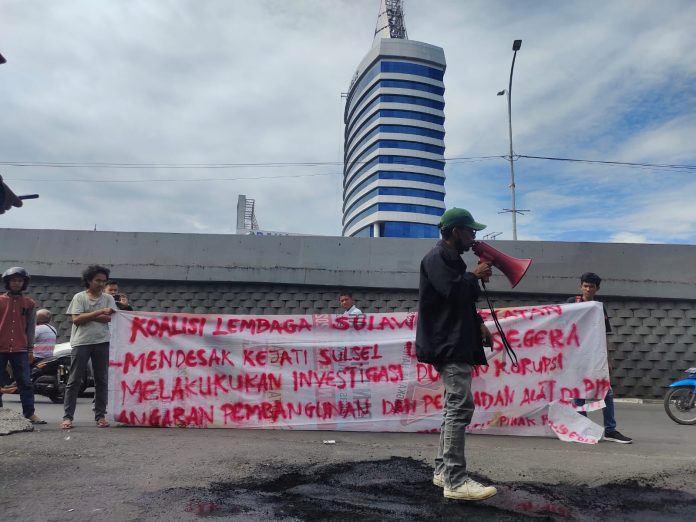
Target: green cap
{"x":458,"y":217}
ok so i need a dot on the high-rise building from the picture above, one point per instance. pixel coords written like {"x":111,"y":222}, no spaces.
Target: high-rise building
{"x":393,"y":175}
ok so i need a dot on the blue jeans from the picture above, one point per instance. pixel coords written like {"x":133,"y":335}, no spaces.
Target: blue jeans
{"x":19,"y":361}
{"x":608,"y":411}
{"x":456,"y":416}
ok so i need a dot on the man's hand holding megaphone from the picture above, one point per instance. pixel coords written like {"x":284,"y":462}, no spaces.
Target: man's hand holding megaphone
{"x":513,"y":268}
{"x":483,"y":271}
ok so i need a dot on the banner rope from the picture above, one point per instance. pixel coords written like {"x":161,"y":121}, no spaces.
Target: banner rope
{"x":503,"y":337}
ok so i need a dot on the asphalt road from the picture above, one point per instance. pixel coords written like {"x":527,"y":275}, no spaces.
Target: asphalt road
{"x":124,"y":473}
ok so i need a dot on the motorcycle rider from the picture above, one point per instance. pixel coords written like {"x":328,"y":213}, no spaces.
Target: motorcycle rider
{"x":17,"y":326}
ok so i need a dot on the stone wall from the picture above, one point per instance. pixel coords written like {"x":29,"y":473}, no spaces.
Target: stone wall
{"x":649,"y":290}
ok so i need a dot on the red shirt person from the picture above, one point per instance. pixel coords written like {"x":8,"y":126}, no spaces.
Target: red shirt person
{"x":17,"y":324}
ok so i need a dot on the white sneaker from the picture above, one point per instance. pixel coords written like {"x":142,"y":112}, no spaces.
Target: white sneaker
{"x":469,"y":490}
{"x":439,"y":480}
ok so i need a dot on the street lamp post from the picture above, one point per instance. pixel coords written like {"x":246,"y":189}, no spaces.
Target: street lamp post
{"x":515,"y":47}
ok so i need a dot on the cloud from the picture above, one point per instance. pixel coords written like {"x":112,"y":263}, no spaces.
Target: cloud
{"x":250,"y":82}
{"x":628,"y":237}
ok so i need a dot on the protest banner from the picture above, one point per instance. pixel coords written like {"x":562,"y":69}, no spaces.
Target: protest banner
{"x":351,"y":373}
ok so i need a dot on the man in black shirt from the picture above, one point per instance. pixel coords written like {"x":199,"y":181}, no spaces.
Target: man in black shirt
{"x":589,"y":286}
{"x":122,"y":303}
{"x":450,"y":335}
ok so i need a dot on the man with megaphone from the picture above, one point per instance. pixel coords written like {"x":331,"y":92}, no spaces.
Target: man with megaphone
{"x":450,"y":335}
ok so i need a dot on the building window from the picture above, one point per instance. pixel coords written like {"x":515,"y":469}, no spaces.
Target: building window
{"x":408,"y":160}
{"x":396,"y":129}
{"x":416,"y":86}
{"x":411,"y":100}
{"x":412,"y":68}
{"x":397,"y":144}
{"x":393,"y":113}
{"x":395,"y":191}
{"x":385,"y":174}
{"x":403,"y":229}
{"x":394,"y":84}
{"x":394,"y":207}
{"x":412,"y":115}
{"x":400,"y":98}
{"x":395,"y":67}
{"x":365,"y":232}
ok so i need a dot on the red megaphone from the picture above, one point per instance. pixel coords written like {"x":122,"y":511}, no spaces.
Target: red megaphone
{"x":513,"y":268}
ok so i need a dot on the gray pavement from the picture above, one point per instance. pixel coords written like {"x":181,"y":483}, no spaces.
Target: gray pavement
{"x":124,"y":473}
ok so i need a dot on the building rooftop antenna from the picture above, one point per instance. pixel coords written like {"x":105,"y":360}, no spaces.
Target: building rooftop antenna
{"x":390,"y":21}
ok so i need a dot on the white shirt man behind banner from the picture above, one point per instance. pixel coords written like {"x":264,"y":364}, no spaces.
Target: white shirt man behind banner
{"x":345,"y":299}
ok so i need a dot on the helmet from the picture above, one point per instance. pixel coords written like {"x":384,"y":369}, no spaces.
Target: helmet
{"x":15,"y":270}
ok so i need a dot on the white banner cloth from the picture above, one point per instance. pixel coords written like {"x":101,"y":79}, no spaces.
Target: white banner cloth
{"x":352,"y":373}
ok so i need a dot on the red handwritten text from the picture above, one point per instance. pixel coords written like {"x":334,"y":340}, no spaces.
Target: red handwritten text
{"x":166,"y":326}
{"x":347,"y":377}
{"x":205,"y":386}
{"x":196,"y":416}
{"x":371,"y":322}
{"x":238,"y":412}
{"x":158,"y":359}
{"x":327,"y":356}
{"x":257,"y":325}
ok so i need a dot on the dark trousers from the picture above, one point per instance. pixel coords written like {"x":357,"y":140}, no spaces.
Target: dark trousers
{"x":19,"y":361}
{"x":99,"y":355}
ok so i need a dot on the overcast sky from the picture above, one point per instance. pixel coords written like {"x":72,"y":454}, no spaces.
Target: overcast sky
{"x":260,"y":81}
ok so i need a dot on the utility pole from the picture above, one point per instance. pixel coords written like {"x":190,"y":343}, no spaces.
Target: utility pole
{"x":516,"y":45}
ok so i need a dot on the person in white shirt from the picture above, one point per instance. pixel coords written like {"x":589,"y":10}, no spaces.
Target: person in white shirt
{"x":91,"y":312}
{"x":346,"y":300}
{"x":46,"y":333}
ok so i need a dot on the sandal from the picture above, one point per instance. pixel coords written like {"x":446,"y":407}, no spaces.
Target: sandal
{"x":102,"y":423}
{"x":36,"y":420}
{"x":66,"y":424}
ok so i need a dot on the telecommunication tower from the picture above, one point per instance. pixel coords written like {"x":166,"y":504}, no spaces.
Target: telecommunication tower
{"x":390,"y":21}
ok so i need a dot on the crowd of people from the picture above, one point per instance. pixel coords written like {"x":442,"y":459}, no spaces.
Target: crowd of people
{"x":450,"y":336}
{"x":27,"y":333}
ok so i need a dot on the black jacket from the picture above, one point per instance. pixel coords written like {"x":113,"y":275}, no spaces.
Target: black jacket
{"x":449,"y":328}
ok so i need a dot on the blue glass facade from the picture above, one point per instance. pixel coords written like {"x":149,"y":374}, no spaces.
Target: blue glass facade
{"x":388,"y":175}
{"x":393,"y":180}
{"x":400,"y":229}
{"x":395,"y":207}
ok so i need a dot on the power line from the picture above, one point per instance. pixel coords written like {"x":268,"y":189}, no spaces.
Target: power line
{"x":613,"y":163}
{"x":454,"y":159}
{"x":168,"y":180}
{"x":119,"y":165}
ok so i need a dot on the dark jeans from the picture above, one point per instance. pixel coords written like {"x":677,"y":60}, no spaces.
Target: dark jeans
{"x":99,"y":354}
{"x":456,"y":416}
{"x":608,"y":411}
{"x":19,"y":361}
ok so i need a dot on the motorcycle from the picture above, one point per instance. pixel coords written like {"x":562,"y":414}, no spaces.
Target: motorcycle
{"x":680,"y":400}
{"x":50,"y":375}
